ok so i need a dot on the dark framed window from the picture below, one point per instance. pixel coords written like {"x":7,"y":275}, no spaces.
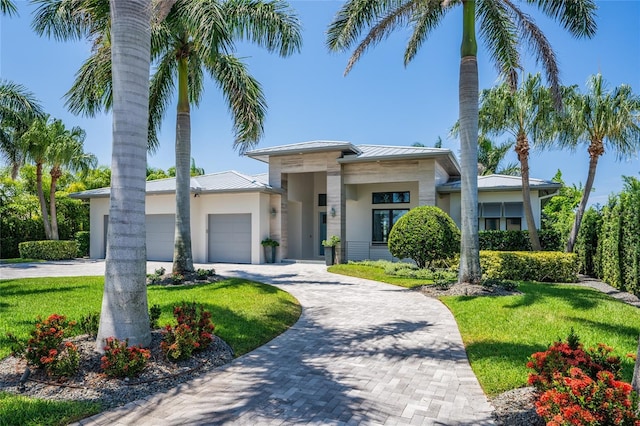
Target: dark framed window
{"x":514,"y":224}
{"x":322,"y":200}
{"x":402,"y":197}
{"x":492,"y":224}
{"x":383,"y":221}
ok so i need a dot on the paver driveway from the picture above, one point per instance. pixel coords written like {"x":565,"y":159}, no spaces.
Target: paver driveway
{"x":361,"y":353}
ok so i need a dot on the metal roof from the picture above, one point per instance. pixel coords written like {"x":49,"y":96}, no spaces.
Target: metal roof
{"x":228,"y":181}
{"x":500,"y":183}
{"x":263,"y":154}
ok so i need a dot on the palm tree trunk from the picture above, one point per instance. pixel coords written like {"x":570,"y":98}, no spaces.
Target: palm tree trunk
{"x":43,"y":202}
{"x":182,"y":257}
{"x":522,"y":149}
{"x":596,"y":149}
{"x":55,"y":175}
{"x":124,"y":304}
{"x":469,"y":247}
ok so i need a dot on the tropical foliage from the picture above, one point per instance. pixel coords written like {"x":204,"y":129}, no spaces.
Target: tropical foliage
{"x":503,"y":26}
{"x":600,"y":118}
{"x":559,"y":211}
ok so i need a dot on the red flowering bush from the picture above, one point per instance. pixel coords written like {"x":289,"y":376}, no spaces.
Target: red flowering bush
{"x":562,"y":356}
{"x":122,"y":360}
{"x":194,"y":332}
{"x":578,"y":399}
{"x":46,"y":347}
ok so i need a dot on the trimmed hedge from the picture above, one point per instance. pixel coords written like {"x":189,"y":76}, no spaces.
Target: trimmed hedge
{"x":529,"y":266}
{"x":587,"y":242}
{"x":48,"y":250}
{"x":84,"y":239}
{"x":550,"y":240}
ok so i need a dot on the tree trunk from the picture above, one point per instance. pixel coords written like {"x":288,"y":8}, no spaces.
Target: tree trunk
{"x":596,"y":149}
{"x":124,"y":312}
{"x":469,"y":247}
{"x":55,"y":175}
{"x":635,"y":382}
{"x":522,"y":149}
{"x":43,"y":202}
{"x":182,"y":256}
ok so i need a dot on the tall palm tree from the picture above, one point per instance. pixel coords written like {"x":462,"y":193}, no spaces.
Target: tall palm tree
{"x":194,"y":39}
{"x":18,"y":108}
{"x":490,"y":157}
{"x":124,"y":313}
{"x":600,"y":118}
{"x":503,"y":26}
{"x":49,"y":142}
{"x":526,"y":114}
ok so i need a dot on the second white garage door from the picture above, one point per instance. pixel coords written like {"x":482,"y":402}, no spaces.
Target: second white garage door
{"x":160,"y":235}
{"x":230,"y":238}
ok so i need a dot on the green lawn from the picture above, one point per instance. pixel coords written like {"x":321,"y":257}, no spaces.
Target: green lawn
{"x":500,"y":333}
{"x":246,"y":314}
{"x":376,"y":274}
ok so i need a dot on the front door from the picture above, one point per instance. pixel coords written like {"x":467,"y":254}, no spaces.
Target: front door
{"x":323,"y":231}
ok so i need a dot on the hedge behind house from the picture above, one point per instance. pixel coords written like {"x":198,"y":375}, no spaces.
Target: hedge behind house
{"x":550,"y":240}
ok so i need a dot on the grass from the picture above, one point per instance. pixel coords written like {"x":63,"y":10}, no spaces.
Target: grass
{"x":247,"y":314}
{"x":19,"y":260}
{"x":20,"y":410}
{"x":376,"y":274}
{"x":501,"y":333}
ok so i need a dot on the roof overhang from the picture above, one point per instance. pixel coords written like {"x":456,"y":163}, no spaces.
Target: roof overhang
{"x":263,"y":154}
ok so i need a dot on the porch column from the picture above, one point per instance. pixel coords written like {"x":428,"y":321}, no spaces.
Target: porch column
{"x":336,"y":207}
{"x":279,"y":204}
{"x":426,"y":183}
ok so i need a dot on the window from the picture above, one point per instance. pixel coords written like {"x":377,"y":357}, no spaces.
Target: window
{"x":322,"y":200}
{"x":390,"y":197}
{"x":383,"y":221}
{"x":514,"y":224}
{"x":492,"y":224}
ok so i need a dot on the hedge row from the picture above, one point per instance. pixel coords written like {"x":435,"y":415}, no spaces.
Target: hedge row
{"x":529,"y":266}
{"x":608,"y":244}
{"x":550,"y":240}
{"x":48,"y":250}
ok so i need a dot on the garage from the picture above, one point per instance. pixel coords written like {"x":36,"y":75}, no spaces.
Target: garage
{"x":230,"y":238}
{"x":160,"y":236}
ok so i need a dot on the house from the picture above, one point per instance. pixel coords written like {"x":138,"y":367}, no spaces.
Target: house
{"x":314,"y":190}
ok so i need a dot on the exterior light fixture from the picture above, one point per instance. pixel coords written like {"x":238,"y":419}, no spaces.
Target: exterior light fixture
{"x":273,"y":212}
{"x":333,"y":212}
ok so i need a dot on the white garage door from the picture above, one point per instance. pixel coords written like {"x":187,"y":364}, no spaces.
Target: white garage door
{"x":160,"y":235}
{"x":230,"y":238}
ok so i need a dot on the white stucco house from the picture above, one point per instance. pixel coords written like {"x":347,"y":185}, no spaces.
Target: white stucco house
{"x":314,"y":190}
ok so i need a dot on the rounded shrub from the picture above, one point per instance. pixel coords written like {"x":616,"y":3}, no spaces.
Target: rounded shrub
{"x":424,"y":234}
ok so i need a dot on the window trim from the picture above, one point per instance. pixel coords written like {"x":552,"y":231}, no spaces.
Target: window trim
{"x":406,"y":197}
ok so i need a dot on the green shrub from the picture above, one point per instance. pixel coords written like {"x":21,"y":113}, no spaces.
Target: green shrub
{"x":48,"y":250}
{"x":83,"y":238}
{"x":121,"y":360}
{"x":529,"y":266}
{"x":550,"y":240}
{"x":587,"y":242}
{"x":424,"y":234}
{"x":89,"y":323}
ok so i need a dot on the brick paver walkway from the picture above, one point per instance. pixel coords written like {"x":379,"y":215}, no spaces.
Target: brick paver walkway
{"x":361,"y":353}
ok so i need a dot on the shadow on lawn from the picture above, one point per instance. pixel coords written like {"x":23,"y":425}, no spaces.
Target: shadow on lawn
{"x":582,"y":298}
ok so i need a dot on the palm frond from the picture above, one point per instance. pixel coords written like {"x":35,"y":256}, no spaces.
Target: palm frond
{"x":578,"y":17}
{"x":500,"y":36}
{"x":542,"y":49}
{"x":196,"y":79}
{"x":273,"y":24}
{"x":71,"y":19}
{"x":353,"y":18}
{"x":244,"y":97}
{"x":160,"y":89}
{"x":206,"y":19}
{"x":91,"y":92}
{"x":8,"y":8}
{"x":424,"y":20}
{"x":17,"y":104}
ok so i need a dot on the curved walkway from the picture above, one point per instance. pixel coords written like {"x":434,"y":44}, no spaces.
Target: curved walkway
{"x":362,"y":353}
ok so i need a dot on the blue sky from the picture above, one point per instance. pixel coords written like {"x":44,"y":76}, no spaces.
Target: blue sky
{"x":379,"y":102}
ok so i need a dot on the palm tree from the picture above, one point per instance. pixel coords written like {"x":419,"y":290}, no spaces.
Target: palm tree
{"x":124,"y":313}
{"x":49,"y":142}
{"x":490,"y":156}
{"x":193,"y":40}
{"x":18,"y":108}
{"x":600,"y":118}
{"x":7,"y":7}
{"x":503,"y":26}
{"x":66,"y":153}
{"x":527,"y":114}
